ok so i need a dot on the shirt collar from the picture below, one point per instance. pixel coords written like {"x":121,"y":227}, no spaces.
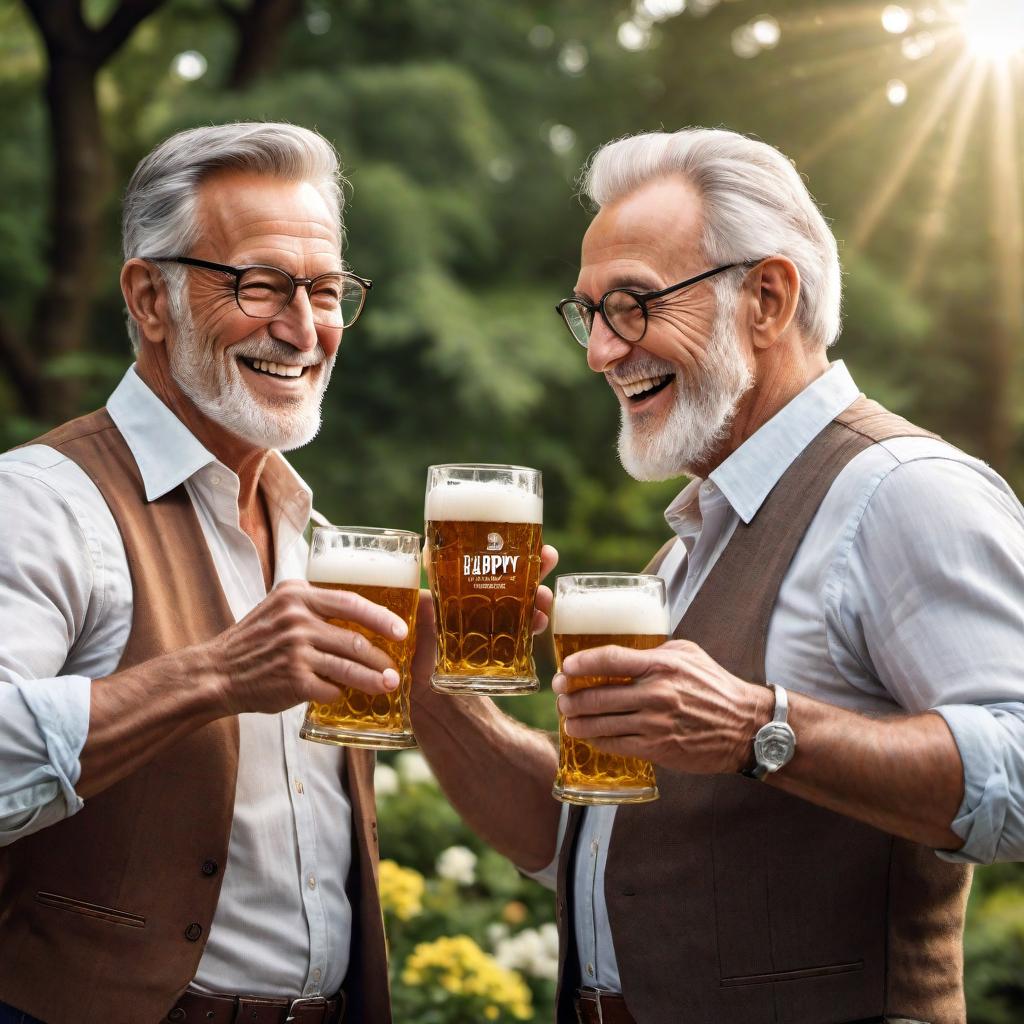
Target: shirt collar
{"x":747,"y":477}
{"x":168,"y":453}
{"x":165,"y":450}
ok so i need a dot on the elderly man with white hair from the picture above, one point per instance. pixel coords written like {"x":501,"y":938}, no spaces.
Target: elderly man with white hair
{"x":169,"y":848}
{"x":838,"y":721}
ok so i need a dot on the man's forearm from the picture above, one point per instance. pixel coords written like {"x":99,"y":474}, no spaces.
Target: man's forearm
{"x":901,"y":775}
{"x":137,"y":713}
{"x":496,"y":771}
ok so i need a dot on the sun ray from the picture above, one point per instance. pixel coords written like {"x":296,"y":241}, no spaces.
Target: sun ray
{"x":945,"y":179}
{"x":890,"y":184}
{"x":872,"y":103}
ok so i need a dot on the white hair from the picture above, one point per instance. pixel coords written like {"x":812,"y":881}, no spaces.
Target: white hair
{"x":755,"y":205}
{"x":159,"y":212}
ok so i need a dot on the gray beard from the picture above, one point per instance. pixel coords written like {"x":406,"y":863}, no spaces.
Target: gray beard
{"x":701,"y":416}
{"x":213,"y":383}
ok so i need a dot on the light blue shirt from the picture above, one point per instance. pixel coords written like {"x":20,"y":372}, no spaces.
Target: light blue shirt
{"x":283,"y":920}
{"x":906,"y":594}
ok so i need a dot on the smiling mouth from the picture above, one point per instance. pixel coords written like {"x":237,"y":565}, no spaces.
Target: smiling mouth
{"x":284,"y":370}
{"x":638,"y":390}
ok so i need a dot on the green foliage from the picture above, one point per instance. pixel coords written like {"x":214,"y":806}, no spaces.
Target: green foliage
{"x":459,"y":917}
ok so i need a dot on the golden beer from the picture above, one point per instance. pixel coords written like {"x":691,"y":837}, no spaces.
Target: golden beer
{"x":353,"y":560}
{"x":483,"y":526}
{"x":597,"y":610}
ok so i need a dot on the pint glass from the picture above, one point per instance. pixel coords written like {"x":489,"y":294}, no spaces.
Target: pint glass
{"x":483,"y":539}
{"x":384,"y":567}
{"x":595,"y":610}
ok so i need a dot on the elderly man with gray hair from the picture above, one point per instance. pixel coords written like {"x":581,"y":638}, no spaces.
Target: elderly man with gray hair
{"x":838,"y":721}
{"x":169,"y":848}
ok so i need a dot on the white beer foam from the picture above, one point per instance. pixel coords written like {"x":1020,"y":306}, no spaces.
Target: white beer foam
{"x":477,"y":501}
{"x":364,"y":567}
{"x":620,"y":612}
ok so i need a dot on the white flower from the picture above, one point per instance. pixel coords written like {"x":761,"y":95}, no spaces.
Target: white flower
{"x":457,"y":864}
{"x":531,"y":952}
{"x":496,"y":932}
{"x":413,"y":767}
{"x":385,"y":780}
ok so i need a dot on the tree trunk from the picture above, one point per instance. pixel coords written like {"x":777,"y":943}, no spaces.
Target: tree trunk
{"x":82,"y":175}
{"x":261,"y":29}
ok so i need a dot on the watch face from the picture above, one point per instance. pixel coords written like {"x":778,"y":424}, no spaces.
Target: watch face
{"x":774,"y":744}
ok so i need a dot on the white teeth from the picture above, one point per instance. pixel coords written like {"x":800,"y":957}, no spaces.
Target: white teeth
{"x":638,"y":387}
{"x":277,"y":369}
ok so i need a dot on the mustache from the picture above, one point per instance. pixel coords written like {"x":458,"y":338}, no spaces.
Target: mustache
{"x":648,"y":366}
{"x":273,"y":351}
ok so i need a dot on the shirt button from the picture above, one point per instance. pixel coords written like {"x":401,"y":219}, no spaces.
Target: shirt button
{"x":312,"y":881}
{"x":209,"y":867}
{"x":299,"y":788}
{"x":590,"y":970}
{"x":215,"y":479}
{"x":193,"y":931}
{"x":594,"y":846}
{"x":317,"y":974}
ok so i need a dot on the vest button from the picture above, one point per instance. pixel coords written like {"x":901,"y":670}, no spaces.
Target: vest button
{"x":193,"y":931}
{"x":209,"y":867}
{"x":177,"y":1014}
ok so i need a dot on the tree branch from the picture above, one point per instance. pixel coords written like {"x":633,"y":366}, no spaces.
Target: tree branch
{"x":120,"y":26}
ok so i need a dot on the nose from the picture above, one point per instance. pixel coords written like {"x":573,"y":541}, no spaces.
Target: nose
{"x":295,"y":325}
{"x":605,"y":348}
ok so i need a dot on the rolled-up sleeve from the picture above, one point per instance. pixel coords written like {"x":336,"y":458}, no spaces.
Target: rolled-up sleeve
{"x":51,"y":556}
{"x":991,"y":817}
{"x":45,"y":724}
{"x":934,"y":604}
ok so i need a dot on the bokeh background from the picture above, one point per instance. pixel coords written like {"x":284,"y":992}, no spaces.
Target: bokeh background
{"x":462,"y":126}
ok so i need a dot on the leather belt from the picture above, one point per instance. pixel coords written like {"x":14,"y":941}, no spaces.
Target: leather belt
{"x":204,"y":1008}
{"x":595,"y":1006}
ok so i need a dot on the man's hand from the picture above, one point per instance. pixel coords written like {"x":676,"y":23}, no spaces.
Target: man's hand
{"x":426,"y":629}
{"x":284,"y":652}
{"x":683,"y":711}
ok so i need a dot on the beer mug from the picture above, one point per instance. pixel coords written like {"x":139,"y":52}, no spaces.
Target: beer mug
{"x":483,"y":540}
{"x":384,"y":567}
{"x":595,"y":610}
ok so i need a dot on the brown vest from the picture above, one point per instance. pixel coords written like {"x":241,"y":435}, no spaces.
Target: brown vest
{"x":104,"y":915}
{"x":731,"y":901}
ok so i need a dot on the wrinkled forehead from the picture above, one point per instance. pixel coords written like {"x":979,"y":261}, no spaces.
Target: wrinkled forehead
{"x":646,"y":239}
{"x":245,"y":213}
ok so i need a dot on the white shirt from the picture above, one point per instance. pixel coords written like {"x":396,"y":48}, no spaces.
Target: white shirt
{"x":283,"y":921}
{"x":905,"y":594}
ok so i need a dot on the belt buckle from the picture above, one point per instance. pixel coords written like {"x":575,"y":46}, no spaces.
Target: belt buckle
{"x":596,"y":1000}
{"x":304,"y":1001}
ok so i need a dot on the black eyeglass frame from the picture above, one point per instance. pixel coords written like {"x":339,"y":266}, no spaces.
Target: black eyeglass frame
{"x":297,"y":282}
{"x":642,"y":298}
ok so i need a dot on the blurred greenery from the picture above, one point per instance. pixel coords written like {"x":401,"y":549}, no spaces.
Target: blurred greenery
{"x":462,"y":127}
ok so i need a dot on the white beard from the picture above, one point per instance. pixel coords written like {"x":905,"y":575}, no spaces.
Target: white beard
{"x":701,"y":414}
{"x":213,"y":382}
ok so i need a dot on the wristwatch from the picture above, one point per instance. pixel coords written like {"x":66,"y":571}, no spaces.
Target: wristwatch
{"x":775,"y":742}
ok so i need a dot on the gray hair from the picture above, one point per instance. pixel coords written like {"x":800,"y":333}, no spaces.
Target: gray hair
{"x":159,"y":214}
{"x":755,"y":205}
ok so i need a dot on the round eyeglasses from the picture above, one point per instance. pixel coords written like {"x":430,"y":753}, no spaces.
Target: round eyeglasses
{"x":336,"y":299}
{"x":624,"y":310}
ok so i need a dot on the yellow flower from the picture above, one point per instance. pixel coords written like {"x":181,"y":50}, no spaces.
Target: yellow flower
{"x":459,"y":966}
{"x":401,"y":890}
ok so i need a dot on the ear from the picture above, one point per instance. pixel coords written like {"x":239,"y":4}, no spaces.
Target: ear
{"x":773,"y":287}
{"x":145,"y":295}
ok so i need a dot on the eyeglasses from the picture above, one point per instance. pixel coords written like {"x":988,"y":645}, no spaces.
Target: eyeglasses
{"x":262,"y":292}
{"x":625,"y":311}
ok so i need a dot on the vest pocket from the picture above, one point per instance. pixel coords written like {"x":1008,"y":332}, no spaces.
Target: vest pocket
{"x":52,"y":899}
{"x":795,"y":975}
